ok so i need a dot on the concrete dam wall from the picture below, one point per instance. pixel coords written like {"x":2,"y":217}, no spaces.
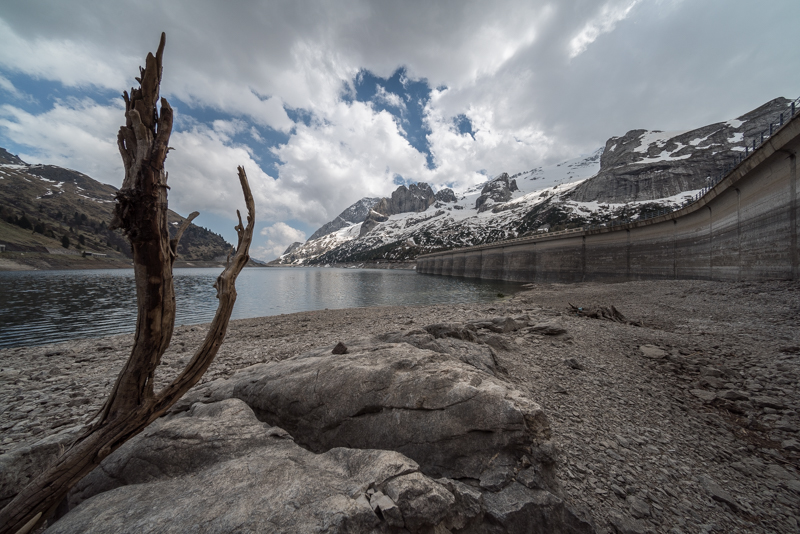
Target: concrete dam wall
{"x":744,"y":228}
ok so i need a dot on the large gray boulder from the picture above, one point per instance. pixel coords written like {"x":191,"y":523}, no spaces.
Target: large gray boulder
{"x":408,"y":432}
{"x":21,"y":465}
{"x":217,"y":469}
{"x":453,"y":419}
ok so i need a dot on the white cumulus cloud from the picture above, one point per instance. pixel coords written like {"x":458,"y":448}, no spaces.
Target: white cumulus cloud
{"x":76,"y":133}
{"x":605,"y":21}
{"x":279,"y":236}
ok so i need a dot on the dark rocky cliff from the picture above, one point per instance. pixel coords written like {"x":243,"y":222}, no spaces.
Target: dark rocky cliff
{"x":648,"y":165}
{"x":414,"y":198}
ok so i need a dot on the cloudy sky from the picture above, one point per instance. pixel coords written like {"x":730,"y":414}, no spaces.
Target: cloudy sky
{"x":328,"y":102}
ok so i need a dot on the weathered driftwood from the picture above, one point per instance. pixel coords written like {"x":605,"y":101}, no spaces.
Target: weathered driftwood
{"x":141,"y":212}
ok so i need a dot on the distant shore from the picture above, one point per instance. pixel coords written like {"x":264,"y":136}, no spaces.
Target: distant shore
{"x":39,"y":261}
{"x":385,"y":264}
{"x":689,"y":420}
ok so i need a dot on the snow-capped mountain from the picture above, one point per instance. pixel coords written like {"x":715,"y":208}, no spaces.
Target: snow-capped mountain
{"x":649,"y":165}
{"x":355,"y":214}
{"x":632,"y":175}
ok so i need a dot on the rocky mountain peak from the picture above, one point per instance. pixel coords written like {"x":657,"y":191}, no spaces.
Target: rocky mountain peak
{"x":414,"y":198}
{"x":291,"y":248}
{"x":8,"y":158}
{"x":632,"y":175}
{"x":445,"y":195}
{"x":497,"y":190}
{"x":652,"y":164}
{"x":354,"y":214}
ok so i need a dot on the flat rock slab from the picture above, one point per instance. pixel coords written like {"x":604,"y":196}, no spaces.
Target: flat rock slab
{"x":525,"y":511}
{"x":652,"y":352}
{"x":448,"y":416}
{"x":703,"y":395}
{"x":20,"y":466}
{"x":217,"y":469}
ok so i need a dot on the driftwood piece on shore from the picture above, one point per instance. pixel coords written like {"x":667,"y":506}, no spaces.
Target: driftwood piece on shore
{"x":141,"y":212}
{"x":604,"y":313}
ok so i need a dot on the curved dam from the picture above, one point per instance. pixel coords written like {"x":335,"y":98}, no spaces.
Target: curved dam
{"x":743,"y":228}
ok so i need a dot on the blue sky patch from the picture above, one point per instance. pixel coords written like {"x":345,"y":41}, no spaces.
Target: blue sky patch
{"x":464,"y":125}
{"x":403,"y":98}
{"x":299,"y":115}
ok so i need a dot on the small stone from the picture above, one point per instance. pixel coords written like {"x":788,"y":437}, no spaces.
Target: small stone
{"x":703,"y":395}
{"x":340,"y":348}
{"x":711,"y":371}
{"x":550,"y":328}
{"x":625,"y":525}
{"x":652,"y":352}
{"x":388,"y":509}
{"x":496,"y":479}
{"x":786,"y":426}
{"x":790,"y":445}
{"x":373,"y":499}
{"x":769,"y":402}
{"x":717,"y":493}
{"x":732,"y":395}
{"x":531,"y":479}
{"x":573,"y":363}
{"x":638,"y":507}
{"x":619,"y":492}
{"x":362,"y":501}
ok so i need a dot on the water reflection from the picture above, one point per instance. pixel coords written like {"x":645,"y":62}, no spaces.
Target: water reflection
{"x":38,"y":307}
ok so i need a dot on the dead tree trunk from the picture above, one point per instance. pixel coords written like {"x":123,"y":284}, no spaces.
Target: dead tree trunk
{"x":141,"y":212}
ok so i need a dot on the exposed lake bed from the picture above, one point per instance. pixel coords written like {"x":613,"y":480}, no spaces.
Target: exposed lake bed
{"x":688,"y":422}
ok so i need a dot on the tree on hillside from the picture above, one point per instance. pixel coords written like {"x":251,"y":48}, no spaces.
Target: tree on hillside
{"x":65,"y":241}
{"x":24,"y":223}
{"x":141,"y":213}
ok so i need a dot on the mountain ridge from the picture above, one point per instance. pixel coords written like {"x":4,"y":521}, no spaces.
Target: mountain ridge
{"x":51,"y":210}
{"x":629,"y":177}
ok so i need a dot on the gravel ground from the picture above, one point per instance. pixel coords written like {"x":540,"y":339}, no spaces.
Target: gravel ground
{"x":688,"y":423}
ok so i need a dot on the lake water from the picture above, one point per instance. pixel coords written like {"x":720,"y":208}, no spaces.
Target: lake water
{"x":38,"y":307}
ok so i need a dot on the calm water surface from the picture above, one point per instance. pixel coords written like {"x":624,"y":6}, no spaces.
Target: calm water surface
{"x":38,"y":307}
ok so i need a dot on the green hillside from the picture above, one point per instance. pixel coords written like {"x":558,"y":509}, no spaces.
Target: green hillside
{"x":52,"y":218}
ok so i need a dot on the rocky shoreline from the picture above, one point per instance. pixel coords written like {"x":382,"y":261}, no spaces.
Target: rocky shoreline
{"x":687,"y":423}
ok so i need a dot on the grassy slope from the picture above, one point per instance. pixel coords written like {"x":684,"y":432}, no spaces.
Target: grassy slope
{"x":64,"y":202}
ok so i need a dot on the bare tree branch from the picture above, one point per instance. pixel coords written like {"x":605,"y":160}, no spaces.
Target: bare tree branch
{"x":141,"y":212}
